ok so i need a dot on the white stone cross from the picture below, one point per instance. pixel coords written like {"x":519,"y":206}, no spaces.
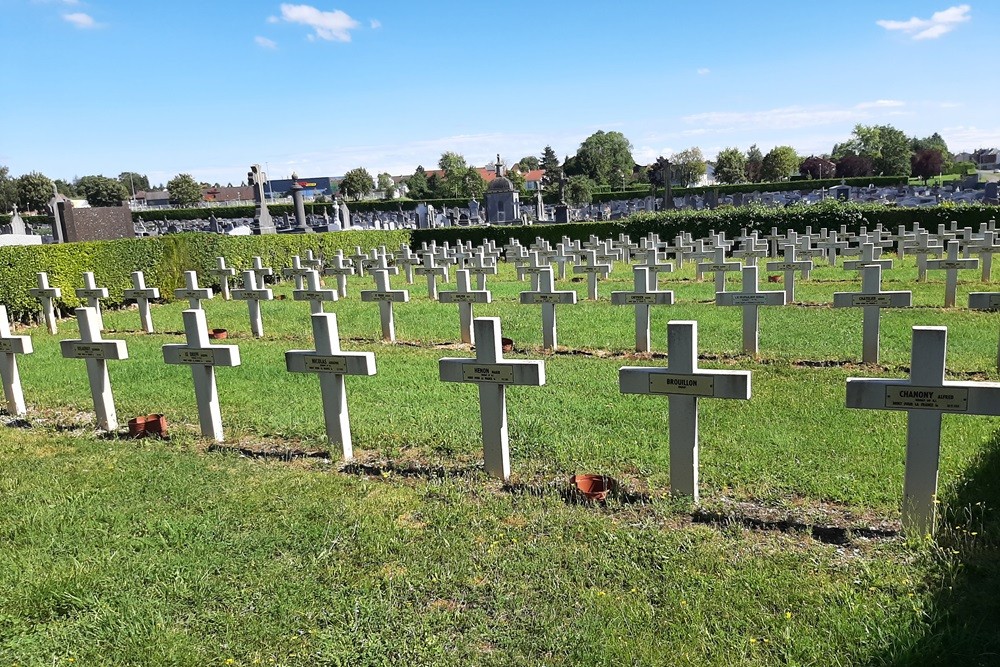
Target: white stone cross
{"x":869,"y":256}
{"x":311,"y":261}
{"x":751,"y":250}
{"x":296,"y":271}
{"x":340,"y":268}
{"x":593,"y":270}
{"x":465,"y":296}
{"x":93,"y":294}
{"x":650,"y":258}
{"x":358,"y":261}
{"x":986,"y":247}
{"x":831,"y":245}
{"x":385,"y":296}
{"x":47,"y":296}
{"x":493,"y":373}
{"x":97,"y":352}
{"x":223,"y":274}
{"x":532,"y":268}
{"x":191,"y":291}
{"x":548,"y":297}
{"x":902,"y":239}
{"x":750,"y":298}
{"x":430,"y":269}
{"x":789,"y":265}
{"x":314,"y":293}
{"x":332,"y":364}
{"x":141,"y":295}
{"x":719,"y":266}
{"x":684,"y":383}
{"x":872,"y":299}
{"x":925,"y":397}
{"x":952,"y":264}
{"x":924,"y":245}
{"x":10,"y":347}
{"x":641,"y":298}
{"x":380,"y":262}
{"x":203,"y":357}
{"x":260,"y":271}
{"x":986,"y":301}
{"x":253,"y":295}
{"x":480,"y":266}
{"x":561,"y":257}
{"x":407,"y":259}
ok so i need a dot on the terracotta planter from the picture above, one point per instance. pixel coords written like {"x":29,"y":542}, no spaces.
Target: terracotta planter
{"x":156,"y":424}
{"x":282,"y":297}
{"x":593,"y":487}
{"x":218,"y":334}
{"x":137,"y":427}
{"x":507,"y":344}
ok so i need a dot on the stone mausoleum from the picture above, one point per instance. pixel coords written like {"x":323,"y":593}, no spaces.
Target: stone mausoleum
{"x":502,"y":204}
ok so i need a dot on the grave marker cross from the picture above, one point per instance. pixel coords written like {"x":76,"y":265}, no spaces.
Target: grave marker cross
{"x":341,"y":268}
{"x":719,"y":266}
{"x":296,"y":271}
{"x":789,"y":265}
{"x":10,"y":347}
{"x":253,"y":295}
{"x":430,"y":268}
{"x":314,"y":293}
{"x":642,"y":297}
{"x":223,"y":273}
{"x":191,"y":291}
{"x":464,"y":296}
{"x":493,"y":373}
{"x":751,"y":298}
{"x":872,"y":299}
{"x":47,"y":296}
{"x":593,"y":270}
{"x":952,"y":264}
{"x":93,"y":295}
{"x":97,"y":352}
{"x":141,"y":295}
{"x":385,"y":297}
{"x":548,"y":297}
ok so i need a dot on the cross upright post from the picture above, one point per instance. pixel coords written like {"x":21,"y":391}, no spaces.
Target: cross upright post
{"x":493,"y":373}
{"x":925,"y":397}
{"x":314,"y":293}
{"x":593,"y":271}
{"x":465,"y":296}
{"x":719,"y":266}
{"x":789,"y":265}
{"x":203,"y":357}
{"x":548,"y":297}
{"x":223,"y":274}
{"x":340,"y":268}
{"x":872,"y":299}
{"x":432,"y":271}
{"x":261,"y":272}
{"x":191,"y":291}
{"x":253,"y":295}
{"x":332,"y":364}
{"x":97,"y":352}
{"x":385,"y":297}
{"x":47,"y":296}
{"x":684,"y":383}
{"x":986,"y":301}
{"x":93,"y":294}
{"x":296,"y":271}
{"x":641,"y":298}
{"x":142,"y":295}
{"x":10,"y":347}
{"x":750,"y":299}
{"x":952,"y":265}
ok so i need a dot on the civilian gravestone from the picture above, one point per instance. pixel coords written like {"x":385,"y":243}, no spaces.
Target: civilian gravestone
{"x":925,"y":397}
{"x":684,"y":383}
{"x":872,"y":299}
{"x":332,"y":364}
{"x":465,"y":296}
{"x":385,"y":297}
{"x":203,"y":357}
{"x":47,"y":296}
{"x":641,"y":298}
{"x":97,"y":352}
{"x":750,"y":299}
{"x":142,"y":295}
{"x":10,"y":347}
{"x":262,"y":222}
{"x":253,"y":295}
{"x":493,"y":373}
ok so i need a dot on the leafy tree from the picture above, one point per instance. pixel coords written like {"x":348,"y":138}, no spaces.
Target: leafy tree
{"x":579,"y":190}
{"x":817,"y":167}
{"x":963,"y":168}
{"x":779,"y":163}
{"x":134,"y":182}
{"x":386,"y":185}
{"x":101,"y":190}
{"x":434,"y":186}
{"x":517,"y":178}
{"x":454,"y":167}
{"x":529,"y":163}
{"x":472,"y":184}
{"x":688,"y":166}
{"x":935,"y":141}
{"x":755,"y":164}
{"x":65,"y":189}
{"x":184,"y":190}
{"x":416,"y":185}
{"x":550,"y":163}
{"x":603,"y":155}
{"x":655,"y":171}
{"x":730,"y":166}
{"x":927,"y":163}
{"x":34,"y":191}
{"x":8,"y":191}
{"x":357,"y":183}
{"x":886,"y":147}
{"x":853,"y":165}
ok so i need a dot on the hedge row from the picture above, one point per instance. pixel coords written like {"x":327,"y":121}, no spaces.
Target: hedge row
{"x":830,"y":214}
{"x":163,"y":260}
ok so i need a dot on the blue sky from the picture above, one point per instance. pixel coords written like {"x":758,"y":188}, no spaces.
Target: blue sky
{"x":210,"y":87}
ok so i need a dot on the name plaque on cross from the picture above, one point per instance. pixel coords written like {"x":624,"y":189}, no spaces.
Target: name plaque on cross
{"x":666,"y":383}
{"x":318,"y":364}
{"x":75,"y":350}
{"x":880,"y":300}
{"x":487,"y":373}
{"x":910,"y":397}
{"x":535,"y":298}
{"x":984,"y":300}
{"x":192,"y":357}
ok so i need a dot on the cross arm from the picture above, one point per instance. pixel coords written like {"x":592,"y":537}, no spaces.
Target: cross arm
{"x":398,"y":296}
{"x":16,"y":345}
{"x":704,"y":383}
{"x":882,"y":299}
{"x":213,"y":355}
{"x":342,"y":363}
{"x":534,"y":298}
{"x":769,"y":298}
{"x":106,"y":349}
{"x":976,"y":398}
{"x":513,"y":372}
{"x":475,"y":296}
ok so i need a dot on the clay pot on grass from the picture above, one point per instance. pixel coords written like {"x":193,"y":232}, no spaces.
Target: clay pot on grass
{"x":218,"y":334}
{"x":156,"y":424}
{"x":137,"y":427}
{"x":593,"y":487}
{"x":507,"y":344}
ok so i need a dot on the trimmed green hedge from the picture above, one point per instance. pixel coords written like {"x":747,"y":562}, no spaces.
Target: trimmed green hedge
{"x":729,"y":219}
{"x":163,"y":260}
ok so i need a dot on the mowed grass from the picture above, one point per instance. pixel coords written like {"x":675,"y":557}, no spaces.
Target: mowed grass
{"x":162,"y":552}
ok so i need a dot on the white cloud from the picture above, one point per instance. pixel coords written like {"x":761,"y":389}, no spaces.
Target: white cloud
{"x":880,"y":104}
{"x":970,"y":137}
{"x":80,"y":20}
{"x":273,"y":19}
{"x":265,"y":43}
{"x":332,"y":26}
{"x":792,"y":117}
{"x":938,"y":24}
{"x":703,"y":71}
{"x":375,"y":24}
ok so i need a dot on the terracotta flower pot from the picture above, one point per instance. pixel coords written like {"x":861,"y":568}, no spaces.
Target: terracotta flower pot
{"x":507,"y":344}
{"x":282,"y":297}
{"x":137,"y":427}
{"x":593,"y":487}
{"x":218,"y":334}
{"x":156,"y":424}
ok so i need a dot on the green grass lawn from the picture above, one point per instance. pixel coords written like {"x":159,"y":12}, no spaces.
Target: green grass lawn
{"x":174,"y":552}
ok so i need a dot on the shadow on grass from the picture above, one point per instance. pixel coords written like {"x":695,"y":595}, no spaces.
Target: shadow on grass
{"x":389,"y":469}
{"x":964,"y":623}
{"x":572,"y":496}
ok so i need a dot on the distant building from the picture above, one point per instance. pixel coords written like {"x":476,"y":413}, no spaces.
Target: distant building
{"x":228,"y":194}
{"x":312,"y":187}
